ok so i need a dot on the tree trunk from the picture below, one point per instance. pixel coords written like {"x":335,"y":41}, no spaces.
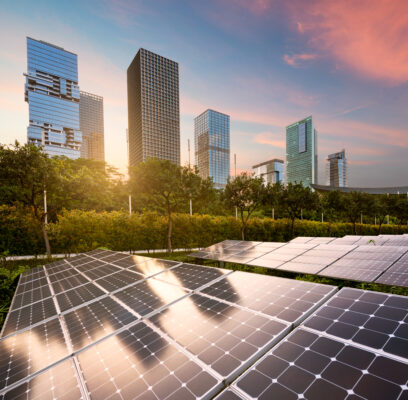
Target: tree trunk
{"x":169,"y":249}
{"x":292,"y":228}
{"x":46,"y":241}
{"x":379,"y":228}
{"x":354,"y":227}
{"x":243,"y":232}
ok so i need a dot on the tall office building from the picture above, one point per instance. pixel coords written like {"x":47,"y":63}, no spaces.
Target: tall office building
{"x":52,"y":93}
{"x":91,"y":123}
{"x":212,"y":146}
{"x":271,"y":171}
{"x":336,"y":169}
{"x":301,"y":152}
{"x":153,"y":108}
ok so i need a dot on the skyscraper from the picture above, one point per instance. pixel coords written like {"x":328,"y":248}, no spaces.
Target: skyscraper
{"x":271,"y":171}
{"x":153,"y":108}
{"x":336,"y":169}
{"x":91,"y":123}
{"x":52,"y":93}
{"x":212,"y":146}
{"x":301,"y":152}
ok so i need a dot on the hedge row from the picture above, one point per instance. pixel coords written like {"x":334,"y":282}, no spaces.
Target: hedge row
{"x":78,"y":231}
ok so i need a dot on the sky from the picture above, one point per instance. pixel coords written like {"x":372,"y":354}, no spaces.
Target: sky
{"x":266,"y":63}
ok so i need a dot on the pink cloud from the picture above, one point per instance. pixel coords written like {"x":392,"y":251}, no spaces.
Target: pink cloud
{"x":367,"y":36}
{"x":270,"y":139}
{"x":295,"y":60}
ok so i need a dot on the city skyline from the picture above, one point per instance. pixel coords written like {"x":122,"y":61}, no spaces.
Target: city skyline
{"x":293,"y":67}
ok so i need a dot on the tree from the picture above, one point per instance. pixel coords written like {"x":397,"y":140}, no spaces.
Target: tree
{"x":25,"y":172}
{"x":332,"y":205}
{"x":382,"y":205}
{"x":247,"y":194}
{"x":401,"y":210}
{"x":165,"y":186}
{"x":294,"y":198}
{"x":356,"y":204}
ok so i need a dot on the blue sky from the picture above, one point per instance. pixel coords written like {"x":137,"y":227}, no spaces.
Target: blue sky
{"x":266,"y":63}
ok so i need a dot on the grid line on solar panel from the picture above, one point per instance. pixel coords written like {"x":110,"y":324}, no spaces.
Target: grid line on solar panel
{"x":31,"y":351}
{"x":224,"y":337}
{"x":370,"y":320}
{"x":140,"y":362}
{"x":306,"y":365}
{"x":230,"y":394}
{"x":59,"y":382}
{"x":191,"y":276}
{"x":287,"y":300}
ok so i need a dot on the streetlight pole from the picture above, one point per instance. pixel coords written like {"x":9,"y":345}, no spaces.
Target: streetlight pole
{"x":45,"y":207}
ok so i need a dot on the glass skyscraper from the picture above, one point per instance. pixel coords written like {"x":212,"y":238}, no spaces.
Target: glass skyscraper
{"x":153,"y":108}
{"x":301,"y":152}
{"x":91,"y":123}
{"x":271,"y":171}
{"x":212,"y":146}
{"x":336,"y":169}
{"x":52,"y":93}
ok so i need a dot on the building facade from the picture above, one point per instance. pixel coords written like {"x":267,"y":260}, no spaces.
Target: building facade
{"x":301,"y":152}
{"x":212,"y":146}
{"x":92,"y":126}
{"x":272,"y":171}
{"x":153,"y":108}
{"x":52,"y":93}
{"x":336,"y":169}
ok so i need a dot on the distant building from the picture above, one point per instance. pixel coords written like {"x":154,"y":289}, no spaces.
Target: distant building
{"x":153,"y":108}
{"x":92,"y":127}
{"x":301,"y":152}
{"x":336,"y":169}
{"x":376,"y":190}
{"x":212,"y":146}
{"x":52,"y":93}
{"x":271,"y":171}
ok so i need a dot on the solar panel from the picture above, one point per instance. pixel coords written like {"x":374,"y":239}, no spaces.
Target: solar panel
{"x":58,"y":383}
{"x":96,"y":320}
{"x":30,"y":351}
{"x":118,"y":280}
{"x":141,"y":363}
{"x":286,"y":299}
{"x":31,"y":296}
{"x":191,"y":276}
{"x":152,"y":266}
{"x":230,"y":394}
{"x":78,"y":296}
{"x":308,"y":366}
{"x":397,"y":274}
{"x":24,"y":317}
{"x":374,"y":320}
{"x":224,"y":337}
{"x":149,"y":296}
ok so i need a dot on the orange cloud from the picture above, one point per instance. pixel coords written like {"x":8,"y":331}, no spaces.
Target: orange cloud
{"x":367,"y":36}
{"x":269,"y":139}
{"x":295,"y":60}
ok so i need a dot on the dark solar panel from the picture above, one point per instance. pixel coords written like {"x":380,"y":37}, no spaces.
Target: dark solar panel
{"x":397,"y":274}
{"x":24,"y":317}
{"x":150,"y":295}
{"x":31,"y":285}
{"x":223,"y":336}
{"x":191,"y":276}
{"x":58,"y":383}
{"x":138,"y":363}
{"x":102,"y":271}
{"x":95,"y":321}
{"x":230,"y":394}
{"x":89,"y":266}
{"x":69,"y":283}
{"x":286,"y":299}
{"x":375,"y":320}
{"x":118,"y":280}
{"x":31,"y":296}
{"x":308,"y":366}
{"x":30,"y":351}
{"x":32,"y":275}
{"x":78,"y":296}
{"x":152,"y":266}
{"x":130,"y":261}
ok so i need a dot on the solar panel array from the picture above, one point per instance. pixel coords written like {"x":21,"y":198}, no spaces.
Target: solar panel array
{"x":110,"y":325}
{"x":382,"y":259}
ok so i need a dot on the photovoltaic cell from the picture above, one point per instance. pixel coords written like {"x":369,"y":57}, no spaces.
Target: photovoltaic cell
{"x":152,"y":267}
{"x":30,"y":351}
{"x":131,"y":261}
{"x":78,"y":296}
{"x":90,"y":265}
{"x":286,"y":299}
{"x":138,"y":363}
{"x":32,"y":275}
{"x":230,"y":394}
{"x":101,"y":272}
{"x":29,"y":315}
{"x":58,"y":383}
{"x":375,"y":320}
{"x":31,"y":296}
{"x":150,"y":295}
{"x":306,"y":365}
{"x":118,"y":280}
{"x":223,"y":336}
{"x":95,"y":321}
{"x":191,"y":276}
{"x":397,"y":274}
{"x":69,"y":283}
{"x":31,"y":285}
